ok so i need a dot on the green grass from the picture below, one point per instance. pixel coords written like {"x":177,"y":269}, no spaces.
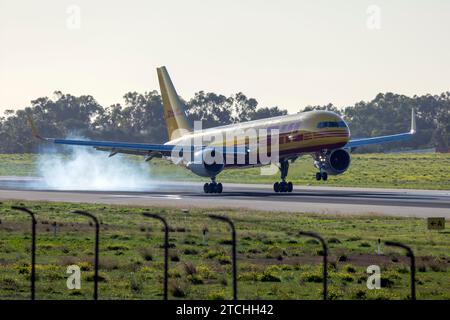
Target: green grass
{"x":417,"y":171}
{"x":273,"y":261}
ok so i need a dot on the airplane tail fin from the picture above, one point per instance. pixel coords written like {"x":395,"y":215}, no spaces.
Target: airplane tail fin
{"x":174,"y":110}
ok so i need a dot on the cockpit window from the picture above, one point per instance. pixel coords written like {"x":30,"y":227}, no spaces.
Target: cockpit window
{"x":331,"y":124}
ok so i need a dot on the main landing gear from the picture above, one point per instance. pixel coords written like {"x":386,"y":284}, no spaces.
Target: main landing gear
{"x":283,"y":186}
{"x":213,"y":187}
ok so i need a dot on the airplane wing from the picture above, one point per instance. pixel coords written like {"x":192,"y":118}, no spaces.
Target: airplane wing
{"x":148,"y":150}
{"x":382,"y":139}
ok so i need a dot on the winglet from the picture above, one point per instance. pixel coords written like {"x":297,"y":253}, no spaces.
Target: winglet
{"x":33,"y":128}
{"x":413,"y":122}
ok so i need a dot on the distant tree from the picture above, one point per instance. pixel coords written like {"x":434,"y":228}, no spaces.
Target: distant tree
{"x":265,"y":112}
{"x":212,"y":109}
{"x":140,"y":118}
{"x":243,"y":107}
{"x":328,"y":107}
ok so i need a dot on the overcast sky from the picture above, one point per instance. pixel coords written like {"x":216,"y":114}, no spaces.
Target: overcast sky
{"x":285,"y":53}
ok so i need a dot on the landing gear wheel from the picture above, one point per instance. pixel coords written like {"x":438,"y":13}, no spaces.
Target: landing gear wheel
{"x":318,"y":176}
{"x":212,"y":187}
{"x":290,"y":186}
{"x":276,"y":187}
{"x":324,"y":176}
{"x":283,"y":186}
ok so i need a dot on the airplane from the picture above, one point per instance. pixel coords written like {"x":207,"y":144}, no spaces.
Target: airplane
{"x":322,"y":134}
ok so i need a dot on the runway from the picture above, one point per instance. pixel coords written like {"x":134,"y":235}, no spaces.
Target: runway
{"x":325,"y":200}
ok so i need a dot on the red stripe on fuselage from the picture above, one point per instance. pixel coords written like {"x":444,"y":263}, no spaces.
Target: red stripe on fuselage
{"x":296,"y":151}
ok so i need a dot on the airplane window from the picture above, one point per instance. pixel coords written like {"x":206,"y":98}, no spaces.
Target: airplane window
{"x":331,"y":124}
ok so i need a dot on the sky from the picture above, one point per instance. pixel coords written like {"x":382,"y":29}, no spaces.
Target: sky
{"x":283,"y":53}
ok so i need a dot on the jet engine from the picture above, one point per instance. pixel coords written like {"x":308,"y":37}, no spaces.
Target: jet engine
{"x":207,"y":163}
{"x":333,"y":162}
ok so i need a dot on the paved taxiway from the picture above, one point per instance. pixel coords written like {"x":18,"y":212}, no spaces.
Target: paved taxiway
{"x":331,"y":200}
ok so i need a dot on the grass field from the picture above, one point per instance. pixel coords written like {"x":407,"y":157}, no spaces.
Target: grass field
{"x":419,"y":171}
{"x":273,"y":261}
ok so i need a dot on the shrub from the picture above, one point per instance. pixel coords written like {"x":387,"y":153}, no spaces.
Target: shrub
{"x":178,"y":289}
{"x":9,"y":284}
{"x":275,"y":252}
{"x":349,"y":268}
{"x":269,"y":277}
{"x":422,"y":268}
{"x":267,"y":241}
{"x":136,"y":283}
{"x":254,"y":250}
{"x":224,"y":259}
{"x":174,"y":273}
{"x":189,"y":268}
{"x":217,"y":295}
{"x":190,"y":251}
{"x":402,"y":269}
{"x":437,"y":267}
{"x":312,"y":277}
{"x":334,"y":294}
{"x":205,"y":272}
{"x":359,"y":295}
{"x":386,"y":282}
{"x":211,"y":254}
{"x":248,"y":276}
{"x":100,"y":278}
{"x":85,"y":266}
{"x":108,"y":263}
{"x":346,"y":277}
{"x":334,"y":240}
{"x":195,"y":279}
{"x":223,"y":281}
{"x":146,"y":254}
{"x":117,"y":247}
{"x":174,"y":257}
{"x":364,"y":245}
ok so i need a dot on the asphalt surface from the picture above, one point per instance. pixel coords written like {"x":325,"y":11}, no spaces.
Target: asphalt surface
{"x":326,"y":200}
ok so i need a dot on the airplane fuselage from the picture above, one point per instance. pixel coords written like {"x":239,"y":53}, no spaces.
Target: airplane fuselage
{"x":300,"y":133}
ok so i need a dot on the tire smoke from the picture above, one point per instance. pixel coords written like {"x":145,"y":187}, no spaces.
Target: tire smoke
{"x":87,"y":169}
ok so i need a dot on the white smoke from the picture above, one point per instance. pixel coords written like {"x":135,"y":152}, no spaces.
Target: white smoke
{"x":87,"y":169}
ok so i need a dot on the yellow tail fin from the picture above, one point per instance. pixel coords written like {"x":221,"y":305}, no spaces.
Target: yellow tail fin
{"x":174,"y":110}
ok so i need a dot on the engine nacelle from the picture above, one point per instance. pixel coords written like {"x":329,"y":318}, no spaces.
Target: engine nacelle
{"x":204,"y":164}
{"x":334,"y":162}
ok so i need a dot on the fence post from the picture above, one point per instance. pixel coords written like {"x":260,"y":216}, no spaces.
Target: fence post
{"x":412,"y":260}
{"x":325,"y":259}
{"x":233,"y":252}
{"x":33,"y":248}
{"x":166,"y":249}
{"x":97,"y":241}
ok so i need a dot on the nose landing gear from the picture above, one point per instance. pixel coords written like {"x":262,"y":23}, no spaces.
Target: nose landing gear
{"x":283,"y":186}
{"x":322,"y":176}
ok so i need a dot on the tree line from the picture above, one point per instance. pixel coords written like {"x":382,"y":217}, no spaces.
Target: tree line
{"x":140,"y":118}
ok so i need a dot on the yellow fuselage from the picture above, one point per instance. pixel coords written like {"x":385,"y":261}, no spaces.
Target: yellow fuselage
{"x":301,"y":133}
